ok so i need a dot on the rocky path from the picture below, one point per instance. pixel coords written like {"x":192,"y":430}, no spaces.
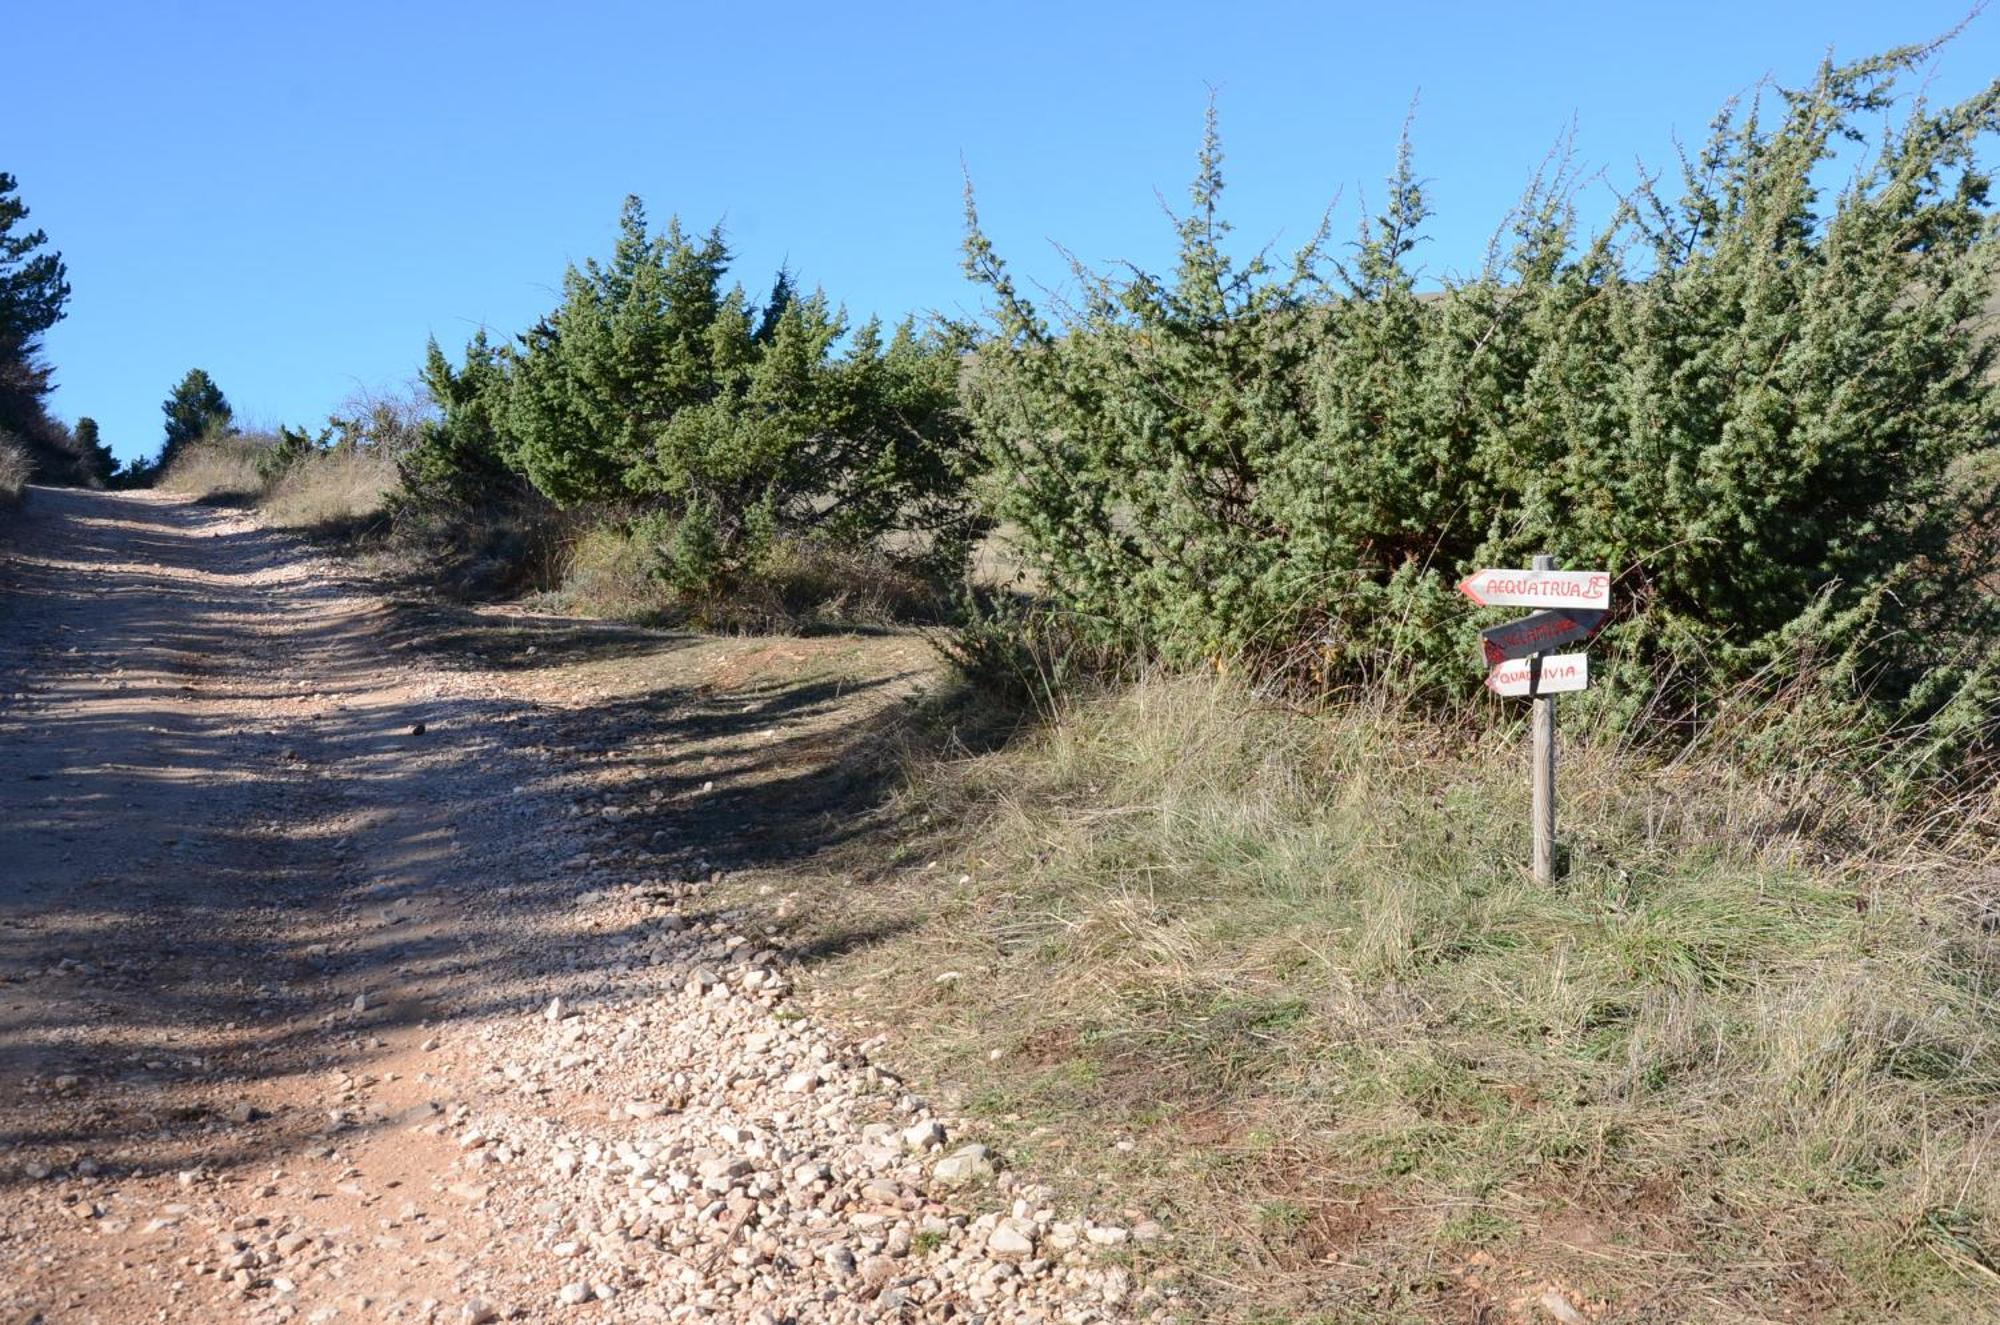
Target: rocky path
{"x":328,"y":992}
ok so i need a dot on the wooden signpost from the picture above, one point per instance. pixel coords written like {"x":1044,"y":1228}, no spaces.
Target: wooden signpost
{"x":1573,"y":606}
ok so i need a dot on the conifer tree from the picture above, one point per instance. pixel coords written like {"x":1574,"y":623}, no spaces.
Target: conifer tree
{"x":34,"y":290}
{"x":34,"y":284}
{"x":92,"y":454}
{"x":197,"y":408}
{"x":460,"y":455}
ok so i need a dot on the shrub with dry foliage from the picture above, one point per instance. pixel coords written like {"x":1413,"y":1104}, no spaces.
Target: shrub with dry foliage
{"x":16,"y":468}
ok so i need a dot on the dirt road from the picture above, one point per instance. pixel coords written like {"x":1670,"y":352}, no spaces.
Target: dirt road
{"x":336,"y":985}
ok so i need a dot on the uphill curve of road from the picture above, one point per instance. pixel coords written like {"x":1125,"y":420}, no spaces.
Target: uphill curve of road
{"x":328,"y":991}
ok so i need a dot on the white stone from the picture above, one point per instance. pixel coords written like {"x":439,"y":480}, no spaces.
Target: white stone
{"x":964,"y":1165}
{"x":1011,"y":1240}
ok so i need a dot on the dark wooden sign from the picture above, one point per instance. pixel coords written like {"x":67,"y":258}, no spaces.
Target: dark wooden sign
{"x":1539,"y":632}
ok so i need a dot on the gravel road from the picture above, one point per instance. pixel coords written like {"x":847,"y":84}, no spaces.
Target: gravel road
{"x":320,"y":1001}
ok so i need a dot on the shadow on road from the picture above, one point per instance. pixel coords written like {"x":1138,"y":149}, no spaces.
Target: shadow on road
{"x":220,"y":826}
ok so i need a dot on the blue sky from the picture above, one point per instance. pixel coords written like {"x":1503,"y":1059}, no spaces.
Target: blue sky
{"x":295,"y":196}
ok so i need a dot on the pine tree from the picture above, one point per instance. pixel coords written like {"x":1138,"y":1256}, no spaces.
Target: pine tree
{"x":460,"y":456}
{"x":197,"y":408}
{"x":34,"y":285}
{"x":34,"y":288}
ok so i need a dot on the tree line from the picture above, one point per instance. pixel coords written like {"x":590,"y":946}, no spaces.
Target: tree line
{"x":1762,"y":395}
{"x":34,"y":294}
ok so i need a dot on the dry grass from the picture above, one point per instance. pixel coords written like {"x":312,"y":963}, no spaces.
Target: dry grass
{"x":514,"y":543}
{"x":15,"y":470}
{"x":1282,"y":981}
{"x":220,"y":468}
{"x":321,"y":491}
{"x":606,"y":575}
{"x":330,"y":490}
{"x":612,"y":572}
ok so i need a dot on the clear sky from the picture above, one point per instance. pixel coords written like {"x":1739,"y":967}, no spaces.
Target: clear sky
{"x":294,"y":196}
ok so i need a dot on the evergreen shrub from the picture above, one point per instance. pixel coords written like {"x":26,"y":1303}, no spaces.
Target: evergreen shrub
{"x":728,"y":428}
{"x":1764,"y":400}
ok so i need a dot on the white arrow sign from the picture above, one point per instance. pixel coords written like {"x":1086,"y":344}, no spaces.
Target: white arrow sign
{"x":1538,"y":588}
{"x":1560,"y":672}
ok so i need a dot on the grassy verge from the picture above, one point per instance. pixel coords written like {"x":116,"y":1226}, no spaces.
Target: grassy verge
{"x":220,"y":469}
{"x":324,"y":492}
{"x":591,"y":562}
{"x":1281,"y":983}
{"x":616,"y":569}
{"x":329,"y":491}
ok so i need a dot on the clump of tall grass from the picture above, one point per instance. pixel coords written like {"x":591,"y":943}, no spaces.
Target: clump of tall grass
{"x":329,"y":490}
{"x":223,"y":468}
{"x":1743,"y":1058}
{"x":631,"y":568}
{"x":294,"y":483}
{"x":16,"y":468}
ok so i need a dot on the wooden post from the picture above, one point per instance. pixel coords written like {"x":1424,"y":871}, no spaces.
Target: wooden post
{"x":1544,"y":766}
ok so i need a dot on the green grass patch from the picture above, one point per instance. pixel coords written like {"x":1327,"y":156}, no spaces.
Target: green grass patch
{"x":1296,"y":966}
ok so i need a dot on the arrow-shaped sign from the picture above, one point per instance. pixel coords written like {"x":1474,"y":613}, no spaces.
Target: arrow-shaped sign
{"x":1538,"y":588}
{"x":1538,"y":632}
{"x":1559,"y":672}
